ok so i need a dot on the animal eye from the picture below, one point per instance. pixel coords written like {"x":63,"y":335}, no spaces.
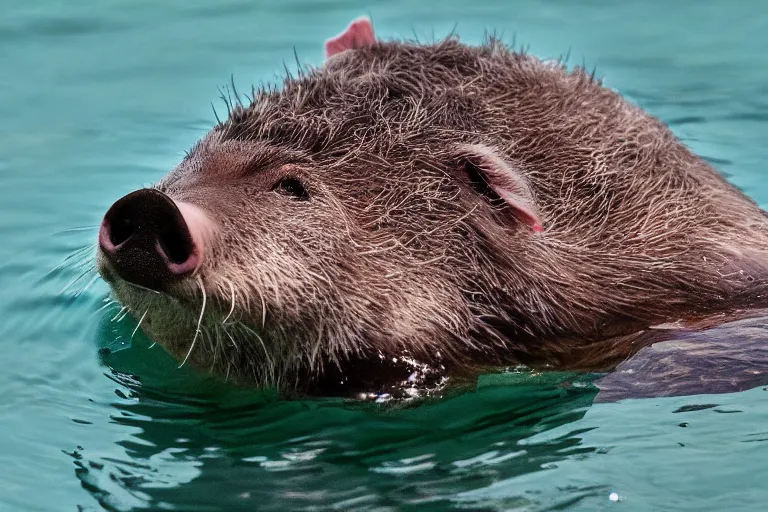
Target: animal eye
{"x":293,"y":188}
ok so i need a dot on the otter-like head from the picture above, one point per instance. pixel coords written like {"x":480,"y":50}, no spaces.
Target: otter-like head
{"x":328,"y":221}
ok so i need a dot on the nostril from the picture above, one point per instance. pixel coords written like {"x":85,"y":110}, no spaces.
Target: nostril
{"x":122,"y":224}
{"x":176,"y":244}
{"x":121,"y":230}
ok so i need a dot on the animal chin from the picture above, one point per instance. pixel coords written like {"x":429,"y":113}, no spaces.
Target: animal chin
{"x":156,"y":309}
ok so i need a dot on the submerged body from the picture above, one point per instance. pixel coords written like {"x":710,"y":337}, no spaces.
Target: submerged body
{"x":443,"y":204}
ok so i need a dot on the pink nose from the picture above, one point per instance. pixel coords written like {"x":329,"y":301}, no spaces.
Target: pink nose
{"x":147,"y":240}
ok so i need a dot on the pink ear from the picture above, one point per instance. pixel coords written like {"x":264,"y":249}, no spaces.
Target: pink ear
{"x":506,"y":181}
{"x":358,"y":34}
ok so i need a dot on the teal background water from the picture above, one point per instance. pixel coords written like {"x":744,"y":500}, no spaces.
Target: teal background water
{"x":99,"y":98}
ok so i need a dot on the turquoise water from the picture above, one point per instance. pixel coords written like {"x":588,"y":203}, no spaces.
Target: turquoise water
{"x":99,"y":98}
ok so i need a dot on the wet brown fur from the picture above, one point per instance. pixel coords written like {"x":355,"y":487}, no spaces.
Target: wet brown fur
{"x":398,"y":251}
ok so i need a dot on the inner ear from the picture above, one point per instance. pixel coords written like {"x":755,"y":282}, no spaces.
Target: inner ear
{"x":358,"y":34}
{"x":500,"y":182}
{"x":479,"y":183}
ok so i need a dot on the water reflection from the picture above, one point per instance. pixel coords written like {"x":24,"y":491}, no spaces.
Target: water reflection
{"x":200,"y":445}
{"x":190,"y":442}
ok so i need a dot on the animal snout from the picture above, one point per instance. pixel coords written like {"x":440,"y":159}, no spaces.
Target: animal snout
{"x":150,"y":240}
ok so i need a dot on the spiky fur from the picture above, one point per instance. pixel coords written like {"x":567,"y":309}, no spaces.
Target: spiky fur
{"x":395,"y":252}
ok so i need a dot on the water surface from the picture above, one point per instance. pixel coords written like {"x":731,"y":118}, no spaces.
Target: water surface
{"x":99,"y":98}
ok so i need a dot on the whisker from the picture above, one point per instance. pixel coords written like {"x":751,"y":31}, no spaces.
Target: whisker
{"x":105,"y":306}
{"x":125,"y":314}
{"x":234,"y":343}
{"x":75,"y":281}
{"x":74,"y":254}
{"x":231,"y":309}
{"x":86,"y":247}
{"x":263,"y":310}
{"x":215,"y":346}
{"x":88,"y":285}
{"x":71,"y":230}
{"x":199,"y":322}
{"x":266,"y":352}
{"x":123,"y":311}
{"x":218,"y":346}
{"x":143,"y":288}
{"x":229,"y":360}
{"x":139,"y":324}
{"x":87,"y":261}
